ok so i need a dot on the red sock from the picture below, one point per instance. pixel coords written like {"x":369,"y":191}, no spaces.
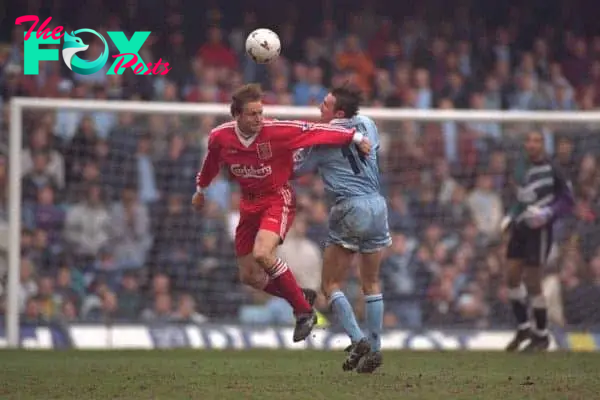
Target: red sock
{"x":272,"y":289}
{"x":283,"y":279}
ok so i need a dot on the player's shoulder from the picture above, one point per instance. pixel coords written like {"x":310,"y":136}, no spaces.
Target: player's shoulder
{"x":363,"y":119}
{"x":368,"y":123}
{"x":280,"y":123}
{"x":222,"y":129}
{"x":220,"y":133}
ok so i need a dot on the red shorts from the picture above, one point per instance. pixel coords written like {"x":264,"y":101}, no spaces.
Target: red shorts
{"x":273,"y":213}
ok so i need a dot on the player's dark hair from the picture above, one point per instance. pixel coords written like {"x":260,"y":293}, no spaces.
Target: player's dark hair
{"x":347,"y":99}
{"x":244,"y":95}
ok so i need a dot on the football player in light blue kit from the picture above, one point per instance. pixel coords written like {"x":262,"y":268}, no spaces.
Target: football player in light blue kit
{"x":358,"y":224}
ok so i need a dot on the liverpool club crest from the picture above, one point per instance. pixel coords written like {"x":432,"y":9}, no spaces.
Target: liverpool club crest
{"x":264,"y":150}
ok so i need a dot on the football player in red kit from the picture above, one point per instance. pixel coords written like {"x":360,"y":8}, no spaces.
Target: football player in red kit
{"x":259,"y":156}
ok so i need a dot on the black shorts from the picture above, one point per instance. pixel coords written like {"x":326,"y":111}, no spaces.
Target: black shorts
{"x":530,"y":245}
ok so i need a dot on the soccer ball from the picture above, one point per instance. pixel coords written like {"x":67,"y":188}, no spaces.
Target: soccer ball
{"x":263,"y":46}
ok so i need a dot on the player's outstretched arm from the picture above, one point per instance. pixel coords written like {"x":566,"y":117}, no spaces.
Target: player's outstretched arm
{"x":297,"y":135}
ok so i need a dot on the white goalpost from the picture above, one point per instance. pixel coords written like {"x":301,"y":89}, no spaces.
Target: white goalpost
{"x":19,"y":105}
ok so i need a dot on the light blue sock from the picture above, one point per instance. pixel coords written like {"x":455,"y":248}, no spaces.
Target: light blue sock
{"x":374,"y":319}
{"x":343,"y":310}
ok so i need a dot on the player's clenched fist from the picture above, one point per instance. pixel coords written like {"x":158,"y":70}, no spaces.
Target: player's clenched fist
{"x":364,"y":146}
{"x":198,"y":201}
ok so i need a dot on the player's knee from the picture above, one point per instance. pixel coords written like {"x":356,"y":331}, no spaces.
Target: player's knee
{"x":263,"y":255}
{"x":514,"y":274}
{"x":533,"y":282}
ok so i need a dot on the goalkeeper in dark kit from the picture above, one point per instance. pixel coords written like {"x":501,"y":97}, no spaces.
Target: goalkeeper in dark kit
{"x":543,"y":196}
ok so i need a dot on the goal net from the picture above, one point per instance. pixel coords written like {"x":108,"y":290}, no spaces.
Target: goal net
{"x":101,"y":230}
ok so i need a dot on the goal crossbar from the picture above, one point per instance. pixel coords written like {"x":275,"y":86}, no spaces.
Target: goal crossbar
{"x":19,"y":104}
{"x":309,"y":112}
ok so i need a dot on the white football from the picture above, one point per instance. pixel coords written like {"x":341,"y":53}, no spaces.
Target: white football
{"x":263,"y":46}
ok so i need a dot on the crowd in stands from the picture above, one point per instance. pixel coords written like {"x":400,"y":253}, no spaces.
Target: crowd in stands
{"x":108,"y":233}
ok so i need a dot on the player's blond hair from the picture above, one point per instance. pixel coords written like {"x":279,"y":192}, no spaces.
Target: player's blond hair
{"x":244,"y":95}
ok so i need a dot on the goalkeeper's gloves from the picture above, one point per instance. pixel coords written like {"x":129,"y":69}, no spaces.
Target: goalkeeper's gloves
{"x":536,"y":217}
{"x":505,"y":224}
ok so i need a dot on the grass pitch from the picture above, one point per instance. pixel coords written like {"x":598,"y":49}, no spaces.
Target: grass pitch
{"x":287,"y":375}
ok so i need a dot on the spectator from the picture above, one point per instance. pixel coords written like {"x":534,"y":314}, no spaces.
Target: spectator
{"x":423,"y":90}
{"x":405,"y":277}
{"x":444,"y":181}
{"x":38,"y":177}
{"x":106,"y":310}
{"x":577,"y":64}
{"x":485,"y":132}
{"x":28,"y":287}
{"x":67,"y":121}
{"x":485,"y":206}
{"x":186,"y":311}
{"x":172,"y":227}
{"x":562,"y":98}
{"x":87,"y":225}
{"x":471,"y":307}
{"x":54,"y":167}
{"x":81,"y":148}
{"x":65,"y":287}
{"x":263,"y":309}
{"x":104,"y":120}
{"x":48,"y":300}
{"x":527,"y":95}
{"x":46,"y":215}
{"x":314,"y":57}
{"x":175,"y":171}
{"x":309,"y":90}
{"x":33,"y":314}
{"x":129,"y":297}
{"x":146,"y":173}
{"x":130,"y":231}
{"x":457,"y":212}
{"x":303,"y":255}
{"x":456,"y":90}
{"x":215,"y":53}
{"x":354,"y":59}
{"x":161,"y":310}
{"x":69,"y":312}
{"x":90,"y":175}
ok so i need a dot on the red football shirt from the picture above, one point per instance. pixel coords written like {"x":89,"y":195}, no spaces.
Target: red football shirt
{"x":264,"y":163}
